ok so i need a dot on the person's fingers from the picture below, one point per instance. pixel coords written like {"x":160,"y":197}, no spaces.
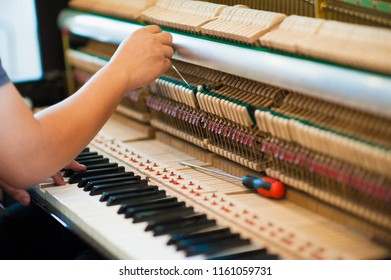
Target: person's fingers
{"x":165,"y":38}
{"x":58,"y":179}
{"x":167,"y":64}
{"x":75,"y":166}
{"x":168,"y":51}
{"x":153,"y":29}
{"x":21,"y":196}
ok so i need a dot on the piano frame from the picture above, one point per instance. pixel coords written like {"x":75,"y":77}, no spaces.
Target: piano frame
{"x":359,"y":89}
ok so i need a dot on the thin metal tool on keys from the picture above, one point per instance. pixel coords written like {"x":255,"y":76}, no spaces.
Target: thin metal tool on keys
{"x":265,"y":186}
{"x":180,"y":75}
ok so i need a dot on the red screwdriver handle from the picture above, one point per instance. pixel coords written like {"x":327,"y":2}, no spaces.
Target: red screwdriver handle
{"x":265,"y":186}
{"x":277,"y":189}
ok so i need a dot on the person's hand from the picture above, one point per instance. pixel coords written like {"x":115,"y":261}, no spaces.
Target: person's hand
{"x":23,"y":197}
{"x":143,"y":56}
{"x":20,"y":195}
{"x":74,"y":165}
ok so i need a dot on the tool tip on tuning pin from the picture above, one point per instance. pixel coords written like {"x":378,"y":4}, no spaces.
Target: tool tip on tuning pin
{"x":193,"y":89}
{"x":183,"y":79}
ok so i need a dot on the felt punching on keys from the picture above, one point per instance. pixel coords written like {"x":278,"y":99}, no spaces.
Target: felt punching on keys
{"x":265,"y":186}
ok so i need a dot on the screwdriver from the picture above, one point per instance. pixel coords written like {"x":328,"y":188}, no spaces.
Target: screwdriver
{"x":265,"y":186}
{"x":180,"y":75}
{"x":199,"y":87}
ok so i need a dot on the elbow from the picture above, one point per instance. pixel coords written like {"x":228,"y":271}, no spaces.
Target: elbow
{"x":20,"y":180}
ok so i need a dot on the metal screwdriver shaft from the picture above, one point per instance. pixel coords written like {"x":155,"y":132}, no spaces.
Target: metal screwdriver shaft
{"x":265,"y":186}
{"x":180,"y":75}
{"x":211,"y":170}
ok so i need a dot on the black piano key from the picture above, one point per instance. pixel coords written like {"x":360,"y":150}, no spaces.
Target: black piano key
{"x":198,"y":233}
{"x":93,"y":159}
{"x":153,"y":217}
{"x":211,"y":237}
{"x":87,"y":162}
{"x":215,"y":247}
{"x":77,"y":176}
{"x":118,"y":194}
{"x":143,"y":213}
{"x":102,"y":165}
{"x":246,"y":252}
{"x":85,"y":154}
{"x":164,"y":224}
{"x":182,"y":227}
{"x":86,"y":180}
{"x":125,"y":206}
{"x":89,"y":185}
{"x":131,"y":211}
{"x":86,"y":157}
{"x":100,"y":188}
{"x":138,"y":197}
{"x":184,"y":222}
{"x":69,"y":172}
{"x":197,"y":225}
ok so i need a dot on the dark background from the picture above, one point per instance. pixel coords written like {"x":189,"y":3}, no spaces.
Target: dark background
{"x":51,"y":88}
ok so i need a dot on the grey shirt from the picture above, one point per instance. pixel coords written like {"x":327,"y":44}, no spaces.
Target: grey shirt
{"x":3,"y":76}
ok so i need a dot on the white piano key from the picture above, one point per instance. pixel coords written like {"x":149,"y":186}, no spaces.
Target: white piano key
{"x":102,"y":223}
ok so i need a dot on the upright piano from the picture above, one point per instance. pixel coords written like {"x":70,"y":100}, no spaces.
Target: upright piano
{"x":292,"y":90}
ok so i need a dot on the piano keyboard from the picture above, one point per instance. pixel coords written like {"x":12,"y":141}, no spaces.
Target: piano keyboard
{"x":139,"y":213}
{"x":130,"y":205}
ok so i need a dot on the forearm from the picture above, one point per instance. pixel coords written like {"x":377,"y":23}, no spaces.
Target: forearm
{"x":43,"y":144}
{"x":79,"y":117}
{"x":35,"y":147}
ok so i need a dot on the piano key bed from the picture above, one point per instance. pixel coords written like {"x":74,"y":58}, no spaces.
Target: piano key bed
{"x":135,"y":201}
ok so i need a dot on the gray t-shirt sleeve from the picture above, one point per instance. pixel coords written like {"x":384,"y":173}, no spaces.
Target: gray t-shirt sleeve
{"x":3,"y":76}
